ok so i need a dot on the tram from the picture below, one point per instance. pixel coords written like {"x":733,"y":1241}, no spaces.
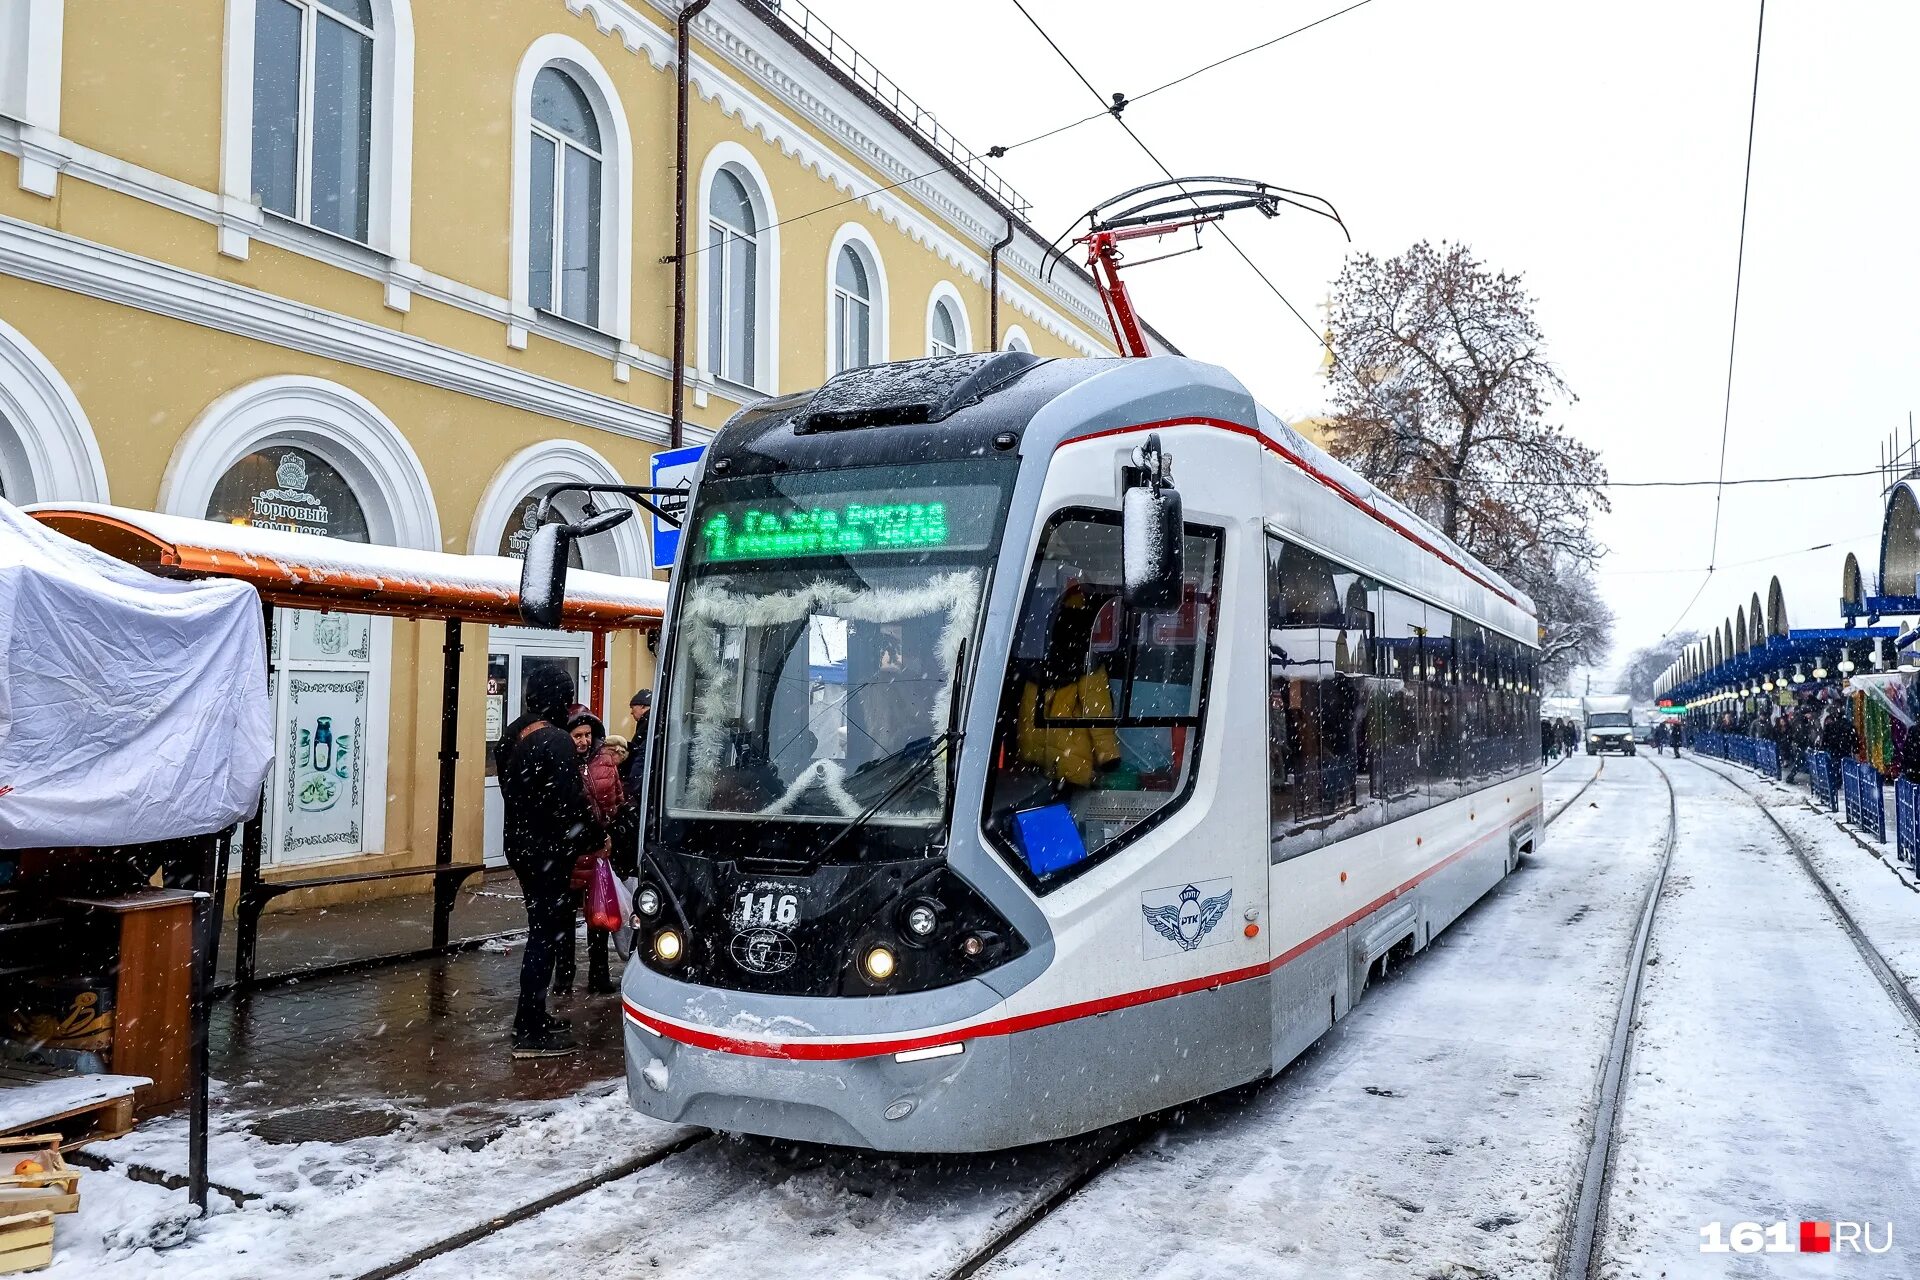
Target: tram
{"x":1044,"y":743}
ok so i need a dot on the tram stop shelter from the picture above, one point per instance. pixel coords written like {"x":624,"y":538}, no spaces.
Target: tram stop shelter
{"x":305,"y":571}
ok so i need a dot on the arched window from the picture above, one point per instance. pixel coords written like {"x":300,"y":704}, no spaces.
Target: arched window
{"x":852,"y":311}
{"x":313,"y":111}
{"x":564,"y":170}
{"x":1017,"y":341}
{"x":733,"y":280}
{"x":943,"y":330}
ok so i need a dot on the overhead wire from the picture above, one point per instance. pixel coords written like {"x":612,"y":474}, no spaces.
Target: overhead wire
{"x":1119,"y":103}
{"x":998,"y":151}
{"x":1733,"y":333}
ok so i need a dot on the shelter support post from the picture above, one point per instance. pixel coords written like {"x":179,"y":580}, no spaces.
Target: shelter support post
{"x":444,"y":886}
{"x":209,"y":900}
{"x":253,"y":840}
{"x":598,"y":700}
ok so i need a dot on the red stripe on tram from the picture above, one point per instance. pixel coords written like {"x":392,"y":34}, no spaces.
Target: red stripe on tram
{"x":823,"y":1050}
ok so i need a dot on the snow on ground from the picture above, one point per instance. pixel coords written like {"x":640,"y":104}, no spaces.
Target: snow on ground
{"x":1875,"y":890}
{"x":1771,"y":1077}
{"x":334,"y":1209}
{"x":1438,"y":1130}
{"x":769,"y":1210}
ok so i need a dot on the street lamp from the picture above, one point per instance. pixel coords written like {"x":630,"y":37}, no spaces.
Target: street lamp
{"x":1799,"y":676}
{"x":1820,"y":668}
{"x":1846,"y":663}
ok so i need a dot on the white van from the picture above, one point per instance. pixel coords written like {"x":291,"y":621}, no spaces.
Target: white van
{"x":1607,"y":723}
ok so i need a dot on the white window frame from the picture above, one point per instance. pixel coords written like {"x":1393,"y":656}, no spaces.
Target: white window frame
{"x":944,"y":293}
{"x":561,"y":144}
{"x":857,"y":237}
{"x":303,"y":141}
{"x":737,"y":160}
{"x":616,"y":192}
{"x":31,"y":34}
{"x":390,"y":168}
{"x":1016,"y":339}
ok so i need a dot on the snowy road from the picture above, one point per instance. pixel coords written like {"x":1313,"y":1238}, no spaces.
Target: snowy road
{"x":1771,"y":1076}
{"x":1440,"y":1131}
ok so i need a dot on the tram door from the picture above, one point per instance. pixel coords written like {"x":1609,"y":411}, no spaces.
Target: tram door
{"x":514,"y":653}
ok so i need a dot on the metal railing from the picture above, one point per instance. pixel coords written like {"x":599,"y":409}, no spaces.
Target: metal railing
{"x":808,"y":25}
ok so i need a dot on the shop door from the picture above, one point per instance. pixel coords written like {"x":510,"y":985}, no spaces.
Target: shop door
{"x":512,"y":655}
{"x":323,"y":677}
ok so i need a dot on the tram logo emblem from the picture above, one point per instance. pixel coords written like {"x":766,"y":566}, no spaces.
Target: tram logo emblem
{"x":1180,"y":919}
{"x":764,"y":951}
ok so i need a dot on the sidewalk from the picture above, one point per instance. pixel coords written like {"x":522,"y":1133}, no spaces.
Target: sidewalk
{"x":309,"y":1056}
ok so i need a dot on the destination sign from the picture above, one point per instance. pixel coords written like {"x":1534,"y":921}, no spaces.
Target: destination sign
{"x":747,"y":532}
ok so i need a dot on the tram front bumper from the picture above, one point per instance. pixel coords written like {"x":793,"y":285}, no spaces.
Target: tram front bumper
{"x":959,"y":1102}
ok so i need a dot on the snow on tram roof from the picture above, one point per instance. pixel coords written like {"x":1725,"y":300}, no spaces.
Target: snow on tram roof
{"x":335,"y":573}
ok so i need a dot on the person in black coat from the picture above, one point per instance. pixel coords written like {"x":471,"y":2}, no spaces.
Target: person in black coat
{"x":548,"y":825}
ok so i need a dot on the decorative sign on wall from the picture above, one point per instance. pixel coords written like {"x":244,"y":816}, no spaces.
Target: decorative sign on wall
{"x":321,"y":763}
{"x":291,"y":489}
{"x":325,"y":637}
{"x":514,"y":542}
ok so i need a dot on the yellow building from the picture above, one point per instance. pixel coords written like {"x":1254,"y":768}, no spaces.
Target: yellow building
{"x":379,"y":268}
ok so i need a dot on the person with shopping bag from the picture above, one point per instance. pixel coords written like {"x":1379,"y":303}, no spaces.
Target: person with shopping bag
{"x":549,"y":824}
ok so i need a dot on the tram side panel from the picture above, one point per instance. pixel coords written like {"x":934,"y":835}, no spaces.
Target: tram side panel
{"x":1164,"y":943}
{"x":1383,"y":846}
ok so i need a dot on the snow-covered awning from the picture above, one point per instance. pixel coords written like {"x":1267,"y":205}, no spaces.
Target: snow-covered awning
{"x":303,"y":571}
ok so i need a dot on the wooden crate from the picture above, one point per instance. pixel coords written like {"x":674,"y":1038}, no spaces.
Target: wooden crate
{"x":26,"y":1242}
{"x":93,"y":1109}
{"x":56,"y":1189}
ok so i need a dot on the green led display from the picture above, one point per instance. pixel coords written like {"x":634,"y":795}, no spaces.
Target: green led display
{"x":745,"y":532}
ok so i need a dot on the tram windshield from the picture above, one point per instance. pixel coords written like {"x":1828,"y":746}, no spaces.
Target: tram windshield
{"x":821,"y":638}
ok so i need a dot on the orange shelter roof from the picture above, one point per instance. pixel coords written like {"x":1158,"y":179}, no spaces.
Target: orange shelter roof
{"x":304,"y":571}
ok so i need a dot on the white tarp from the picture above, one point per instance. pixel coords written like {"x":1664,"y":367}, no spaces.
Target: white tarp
{"x":132,"y":708}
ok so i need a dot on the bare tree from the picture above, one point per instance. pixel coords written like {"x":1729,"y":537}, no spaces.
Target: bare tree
{"x":1644,"y":666}
{"x":1442,"y":393}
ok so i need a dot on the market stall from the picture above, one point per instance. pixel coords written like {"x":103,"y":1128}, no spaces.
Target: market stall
{"x":133,"y":735}
{"x":306,"y":572}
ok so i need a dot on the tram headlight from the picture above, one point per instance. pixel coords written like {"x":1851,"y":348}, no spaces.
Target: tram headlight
{"x":647,"y":901}
{"x":879,"y":962}
{"x":921,"y":919}
{"x":667,"y":946}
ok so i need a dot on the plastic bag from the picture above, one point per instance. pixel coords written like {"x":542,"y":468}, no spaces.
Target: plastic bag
{"x":623,"y":936}
{"x":603,"y":898}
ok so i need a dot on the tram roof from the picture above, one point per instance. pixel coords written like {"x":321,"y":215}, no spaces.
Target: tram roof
{"x":305,"y":571}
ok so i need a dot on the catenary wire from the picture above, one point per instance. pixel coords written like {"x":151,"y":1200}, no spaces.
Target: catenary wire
{"x":999,"y":151}
{"x":1733,"y":333}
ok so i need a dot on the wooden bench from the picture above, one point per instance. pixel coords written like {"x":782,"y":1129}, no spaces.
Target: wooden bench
{"x":253,"y":900}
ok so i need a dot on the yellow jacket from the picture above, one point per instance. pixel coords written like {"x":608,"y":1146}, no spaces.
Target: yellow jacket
{"x":1071,"y":755}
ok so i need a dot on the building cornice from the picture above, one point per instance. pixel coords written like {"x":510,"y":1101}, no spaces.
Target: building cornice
{"x":62,"y":261}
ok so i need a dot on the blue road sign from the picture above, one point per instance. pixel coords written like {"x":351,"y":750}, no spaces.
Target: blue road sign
{"x":672,"y":469}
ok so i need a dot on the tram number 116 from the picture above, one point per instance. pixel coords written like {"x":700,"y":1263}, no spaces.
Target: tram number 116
{"x":766,"y":908}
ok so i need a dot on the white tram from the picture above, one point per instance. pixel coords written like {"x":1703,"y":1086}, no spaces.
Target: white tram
{"x":1040,"y":744}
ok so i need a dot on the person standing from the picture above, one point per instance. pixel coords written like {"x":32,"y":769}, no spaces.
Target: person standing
{"x":640,"y":707}
{"x":1677,"y":731}
{"x":547,"y":825}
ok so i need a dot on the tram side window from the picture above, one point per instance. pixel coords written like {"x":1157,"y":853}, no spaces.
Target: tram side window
{"x":1099,"y":723}
{"x":1319,"y":657}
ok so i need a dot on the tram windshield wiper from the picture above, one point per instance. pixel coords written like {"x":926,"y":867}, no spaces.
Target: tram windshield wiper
{"x":943,"y":743}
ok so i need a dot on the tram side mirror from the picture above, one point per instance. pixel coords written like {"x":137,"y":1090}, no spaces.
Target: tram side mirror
{"x":1152,"y":534}
{"x":543,"y":571}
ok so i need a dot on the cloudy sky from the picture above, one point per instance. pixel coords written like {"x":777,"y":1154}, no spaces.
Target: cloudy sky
{"x":1595,"y":148}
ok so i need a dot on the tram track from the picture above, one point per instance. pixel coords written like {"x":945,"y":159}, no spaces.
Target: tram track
{"x":1152,"y":1126}
{"x":1896,"y":990}
{"x":1584,"y":1225}
{"x":1124,"y":1141}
